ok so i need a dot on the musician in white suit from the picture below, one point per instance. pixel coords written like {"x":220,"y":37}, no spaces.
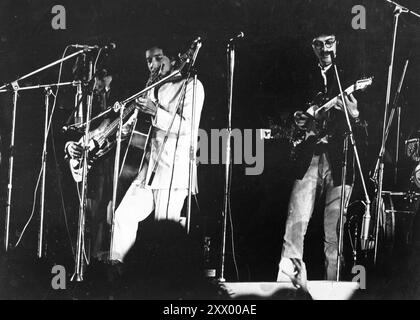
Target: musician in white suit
{"x":167,"y":192}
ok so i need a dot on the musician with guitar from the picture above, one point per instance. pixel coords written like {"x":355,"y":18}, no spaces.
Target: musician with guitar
{"x":318,"y":157}
{"x":100,"y":178}
{"x":170,"y":107}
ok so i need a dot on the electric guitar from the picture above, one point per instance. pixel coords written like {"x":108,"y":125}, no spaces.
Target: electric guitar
{"x":100,"y":142}
{"x":301,"y":139}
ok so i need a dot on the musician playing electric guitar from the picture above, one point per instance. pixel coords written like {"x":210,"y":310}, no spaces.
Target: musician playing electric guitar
{"x":318,"y":165}
{"x":99,"y":193}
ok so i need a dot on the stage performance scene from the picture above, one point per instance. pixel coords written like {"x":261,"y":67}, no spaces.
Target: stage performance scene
{"x":210,"y":150}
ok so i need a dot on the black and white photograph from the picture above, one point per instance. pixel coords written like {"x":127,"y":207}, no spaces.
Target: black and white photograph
{"x":209,"y":154}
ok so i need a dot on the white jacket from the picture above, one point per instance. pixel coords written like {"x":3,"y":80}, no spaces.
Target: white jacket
{"x":168,"y":97}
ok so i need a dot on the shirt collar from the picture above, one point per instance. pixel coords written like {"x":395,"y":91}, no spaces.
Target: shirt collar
{"x":324,"y":70}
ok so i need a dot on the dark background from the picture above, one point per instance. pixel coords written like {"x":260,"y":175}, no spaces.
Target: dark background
{"x":272,"y":62}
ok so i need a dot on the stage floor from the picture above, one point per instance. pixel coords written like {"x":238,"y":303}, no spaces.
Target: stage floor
{"x":318,"y":290}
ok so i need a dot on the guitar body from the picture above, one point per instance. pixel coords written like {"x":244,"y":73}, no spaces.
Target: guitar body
{"x":97,"y":149}
{"x":102,"y":141}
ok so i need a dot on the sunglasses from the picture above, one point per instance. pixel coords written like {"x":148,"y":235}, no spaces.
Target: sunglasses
{"x":318,"y":44}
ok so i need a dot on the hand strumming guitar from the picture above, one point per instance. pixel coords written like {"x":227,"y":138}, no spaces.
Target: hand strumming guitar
{"x":128,"y":127}
{"x":301,"y":119}
{"x":304,"y":122}
{"x":146,"y":105}
{"x":351,"y":103}
{"x":75,"y":150}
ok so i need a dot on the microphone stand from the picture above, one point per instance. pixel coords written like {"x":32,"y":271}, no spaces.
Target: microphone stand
{"x":43,"y":86}
{"x":116,"y":177}
{"x":348,"y":136}
{"x":16,"y":89}
{"x":48,"y":92}
{"x":231,"y":69}
{"x":80,"y":245}
{"x":46,"y":67}
{"x":395,"y":106}
{"x":397,"y":147}
{"x":390,"y":120}
{"x":193,"y":148}
{"x":342,"y":203}
{"x":380,"y":173}
{"x":398,"y":107}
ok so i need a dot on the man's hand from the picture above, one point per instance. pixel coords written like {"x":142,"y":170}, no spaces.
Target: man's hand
{"x":147,"y":106}
{"x":126,"y":130}
{"x":300,"y":278}
{"x":117,"y":106}
{"x":75,"y":150}
{"x":295,"y":269}
{"x":301,"y":119}
{"x":351,"y":103}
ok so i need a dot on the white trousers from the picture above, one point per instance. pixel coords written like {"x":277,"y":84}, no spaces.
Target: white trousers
{"x":137,"y":204}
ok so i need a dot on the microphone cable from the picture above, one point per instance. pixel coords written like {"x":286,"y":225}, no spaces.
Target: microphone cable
{"x":40,"y":170}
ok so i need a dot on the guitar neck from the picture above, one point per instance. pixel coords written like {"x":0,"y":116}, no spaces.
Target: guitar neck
{"x":314,"y":110}
{"x":112,"y":128}
{"x":327,"y":106}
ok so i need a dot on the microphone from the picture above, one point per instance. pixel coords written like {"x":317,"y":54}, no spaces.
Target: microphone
{"x":195,"y":42}
{"x":365,"y":230}
{"x":331,"y":54}
{"x":110,"y":46}
{"x":84,"y":46}
{"x":240,"y":35}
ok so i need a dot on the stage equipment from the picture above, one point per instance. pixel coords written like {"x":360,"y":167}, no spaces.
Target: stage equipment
{"x":14,"y":86}
{"x":398,"y":10}
{"x":231,"y":52}
{"x":349,"y":136}
{"x":80,"y":244}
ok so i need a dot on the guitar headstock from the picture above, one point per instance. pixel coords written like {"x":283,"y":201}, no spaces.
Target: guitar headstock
{"x":186,"y":59}
{"x":363,"y":83}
